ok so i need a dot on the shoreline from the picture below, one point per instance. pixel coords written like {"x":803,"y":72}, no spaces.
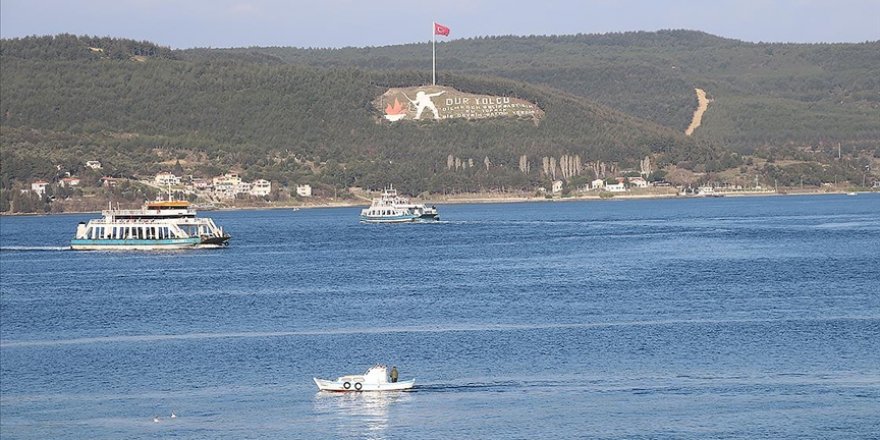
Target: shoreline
{"x":476,"y":200}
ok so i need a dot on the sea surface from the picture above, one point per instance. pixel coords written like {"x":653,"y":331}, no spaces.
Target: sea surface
{"x":686,"y":318}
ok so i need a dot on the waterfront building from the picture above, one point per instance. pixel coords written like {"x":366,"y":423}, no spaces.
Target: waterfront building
{"x":261,"y":188}
{"x":39,"y":187}
{"x":304,"y":190}
{"x":638,"y":182}
{"x":70,"y":181}
{"x":165,"y":178}
{"x":615,"y":187}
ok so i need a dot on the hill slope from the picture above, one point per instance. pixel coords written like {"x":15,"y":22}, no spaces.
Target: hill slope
{"x":281,"y":121}
{"x":764,"y":94}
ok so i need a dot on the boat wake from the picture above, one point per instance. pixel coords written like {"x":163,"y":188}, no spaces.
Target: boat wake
{"x":34,"y":248}
{"x":415,"y":329}
{"x":468,"y":387}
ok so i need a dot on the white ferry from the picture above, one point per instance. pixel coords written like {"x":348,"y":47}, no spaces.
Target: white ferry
{"x":157,"y":225}
{"x":392,"y":208}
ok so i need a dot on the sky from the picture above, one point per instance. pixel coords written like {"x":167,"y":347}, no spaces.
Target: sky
{"x":339,"y":23}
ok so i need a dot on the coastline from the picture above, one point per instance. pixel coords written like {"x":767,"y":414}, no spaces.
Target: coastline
{"x":477,"y":198}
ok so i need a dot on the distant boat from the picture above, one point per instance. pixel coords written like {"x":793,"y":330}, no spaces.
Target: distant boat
{"x":159,"y":225}
{"x":708,"y":191}
{"x":392,"y":208}
{"x":851,"y":193}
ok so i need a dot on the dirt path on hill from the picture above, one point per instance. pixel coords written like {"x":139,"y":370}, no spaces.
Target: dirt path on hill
{"x":702,"y":105}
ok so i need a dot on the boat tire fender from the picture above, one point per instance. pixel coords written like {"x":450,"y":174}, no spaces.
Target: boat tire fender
{"x":346,"y":385}
{"x":358,"y":386}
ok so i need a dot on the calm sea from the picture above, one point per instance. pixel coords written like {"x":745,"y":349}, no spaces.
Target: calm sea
{"x":697,"y":318}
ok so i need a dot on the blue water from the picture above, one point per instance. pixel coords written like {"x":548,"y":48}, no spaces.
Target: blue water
{"x":697,"y":318}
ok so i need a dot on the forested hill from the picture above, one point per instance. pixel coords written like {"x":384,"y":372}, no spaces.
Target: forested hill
{"x":764,"y":94}
{"x":283,"y":122}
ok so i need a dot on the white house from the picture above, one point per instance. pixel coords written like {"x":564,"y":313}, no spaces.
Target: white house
{"x":615,"y":187}
{"x":165,"y":178}
{"x":638,"y":182}
{"x":227,"y":185}
{"x":261,"y":187}
{"x":39,"y":187}
{"x":70,"y":181}
{"x":557,"y":186}
{"x":227,"y":179}
{"x":304,"y":190}
{"x":201,"y":184}
{"x":243,"y":188}
{"x":94,"y":164}
{"x":598,"y":183}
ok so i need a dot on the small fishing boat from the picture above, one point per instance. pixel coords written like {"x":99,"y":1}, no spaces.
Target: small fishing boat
{"x":158,"y":225}
{"x":375,"y":379}
{"x":392,"y":208}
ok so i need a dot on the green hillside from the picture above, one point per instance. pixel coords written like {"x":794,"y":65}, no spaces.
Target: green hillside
{"x":282,"y":122}
{"x":307,"y":115}
{"x":765,"y":94}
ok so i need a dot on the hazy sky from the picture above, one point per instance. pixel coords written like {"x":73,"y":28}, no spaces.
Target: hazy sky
{"x":338,"y":23}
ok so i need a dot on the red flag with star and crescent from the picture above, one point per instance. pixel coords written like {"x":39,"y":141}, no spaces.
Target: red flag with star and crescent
{"x":439,"y":29}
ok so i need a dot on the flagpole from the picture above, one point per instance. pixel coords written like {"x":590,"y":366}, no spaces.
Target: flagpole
{"x":433,"y":53}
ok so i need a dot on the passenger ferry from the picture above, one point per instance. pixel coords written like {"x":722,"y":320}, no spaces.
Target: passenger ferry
{"x":392,"y":208}
{"x":157,"y":225}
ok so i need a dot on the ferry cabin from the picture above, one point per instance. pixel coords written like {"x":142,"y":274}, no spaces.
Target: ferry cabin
{"x":387,"y":214}
{"x":137,"y":232}
{"x":116,"y":235}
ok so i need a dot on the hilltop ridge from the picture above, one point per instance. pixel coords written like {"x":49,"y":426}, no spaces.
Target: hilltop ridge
{"x":767,"y":94}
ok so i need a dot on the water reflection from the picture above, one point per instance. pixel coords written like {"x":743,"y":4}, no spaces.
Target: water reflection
{"x":367,"y":414}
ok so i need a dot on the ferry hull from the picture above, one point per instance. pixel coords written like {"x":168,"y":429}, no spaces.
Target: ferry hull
{"x":214,"y":242}
{"x":131,"y":245}
{"x":400,"y":219}
{"x":352,"y":386}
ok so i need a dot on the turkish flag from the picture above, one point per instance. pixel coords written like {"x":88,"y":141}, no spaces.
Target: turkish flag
{"x":439,"y":29}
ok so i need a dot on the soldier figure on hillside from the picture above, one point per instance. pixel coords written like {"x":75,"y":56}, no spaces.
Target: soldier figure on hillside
{"x":422,"y":101}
